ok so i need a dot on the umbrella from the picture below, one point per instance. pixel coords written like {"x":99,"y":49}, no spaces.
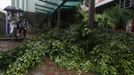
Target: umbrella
{"x":12,"y":9}
{"x":19,"y":10}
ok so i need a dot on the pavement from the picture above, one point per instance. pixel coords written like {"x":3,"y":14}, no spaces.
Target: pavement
{"x":48,"y":67}
{"x":7,"y":44}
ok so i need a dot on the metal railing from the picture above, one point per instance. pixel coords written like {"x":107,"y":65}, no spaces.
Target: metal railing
{"x":126,"y":3}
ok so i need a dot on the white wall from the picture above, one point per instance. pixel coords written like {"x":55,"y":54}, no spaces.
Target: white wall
{"x":26,"y":5}
{"x":102,"y":2}
{"x":4,"y":3}
{"x":31,"y":5}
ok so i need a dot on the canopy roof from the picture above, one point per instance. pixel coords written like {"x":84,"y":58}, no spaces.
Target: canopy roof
{"x":48,"y":7}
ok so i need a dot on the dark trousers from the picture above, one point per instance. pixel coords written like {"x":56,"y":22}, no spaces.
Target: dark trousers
{"x":23,"y":31}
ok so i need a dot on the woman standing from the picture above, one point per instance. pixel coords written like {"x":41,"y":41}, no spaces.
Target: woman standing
{"x":13,"y":26}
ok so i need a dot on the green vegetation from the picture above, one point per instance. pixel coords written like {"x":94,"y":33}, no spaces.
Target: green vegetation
{"x":102,"y":51}
{"x":1,"y":35}
{"x":114,"y":18}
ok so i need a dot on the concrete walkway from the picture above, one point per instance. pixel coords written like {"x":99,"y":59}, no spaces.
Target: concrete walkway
{"x":6,"y":45}
{"x":50,"y":68}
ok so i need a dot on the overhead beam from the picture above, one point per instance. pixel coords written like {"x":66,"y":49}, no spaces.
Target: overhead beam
{"x":48,"y":2}
{"x":44,"y":6}
{"x":74,"y":0}
{"x":43,"y":10}
{"x":62,"y":4}
{"x":68,"y":6}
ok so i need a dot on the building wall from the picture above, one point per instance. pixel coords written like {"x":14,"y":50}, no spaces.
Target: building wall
{"x":2,"y":23}
{"x":102,"y":2}
{"x":31,"y":5}
{"x":26,"y":5}
{"x":98,"y":1}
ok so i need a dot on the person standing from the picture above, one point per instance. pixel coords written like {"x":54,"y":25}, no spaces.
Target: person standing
{"x":132,"y":25}
{"x":13,"y":26}
{"x":23,"y":27}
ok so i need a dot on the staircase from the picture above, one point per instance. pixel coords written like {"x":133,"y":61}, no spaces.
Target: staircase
{"x":126,"y":3}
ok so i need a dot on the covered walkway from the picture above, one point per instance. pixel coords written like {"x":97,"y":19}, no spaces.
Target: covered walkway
{"x":49,"y":7}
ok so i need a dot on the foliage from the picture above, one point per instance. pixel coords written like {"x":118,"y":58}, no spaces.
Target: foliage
{"x":11,"y":56}
{"x":114,"y":17}
{"x":109,"y":52}
{"x":104,"y":20}
{"x":33,"y":55}
{"x":110,"y":56}
{"x":35,"y":51}
{"x":1,"y":35}
{"x":105,"y":52}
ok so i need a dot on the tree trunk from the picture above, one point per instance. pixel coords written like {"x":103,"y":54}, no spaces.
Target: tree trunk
{"x":91,"y":13}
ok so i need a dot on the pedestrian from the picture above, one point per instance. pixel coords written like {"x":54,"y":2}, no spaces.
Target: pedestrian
{"x":23,"y":27}
{"x":13,"y":26}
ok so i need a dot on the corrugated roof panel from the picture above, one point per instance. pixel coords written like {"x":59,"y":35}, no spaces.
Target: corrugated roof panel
{"x":53,"y":5}
{"x":70,"y":3}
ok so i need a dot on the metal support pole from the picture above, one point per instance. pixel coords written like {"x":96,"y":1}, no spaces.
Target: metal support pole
{"x":131,"y":3}
{"x":124,"y":3}
{"x":49,"y":22}
{"x":120,"y":4}
{"x":58,"y":17}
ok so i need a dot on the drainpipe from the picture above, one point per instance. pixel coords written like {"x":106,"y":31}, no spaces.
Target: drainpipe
{"x":49,"y":22}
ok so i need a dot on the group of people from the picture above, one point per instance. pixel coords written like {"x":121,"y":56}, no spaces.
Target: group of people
{"x":18,"y":26}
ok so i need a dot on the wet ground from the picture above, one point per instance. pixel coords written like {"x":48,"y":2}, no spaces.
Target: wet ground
{"x":7,"y":44}
{"x":10,"y":43}
{"x":50,"y":68}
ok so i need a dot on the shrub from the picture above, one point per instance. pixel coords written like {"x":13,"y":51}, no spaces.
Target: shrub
{"x":114,"y":18}
{"x":105,"y":52}
{"x":31,"y":58}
